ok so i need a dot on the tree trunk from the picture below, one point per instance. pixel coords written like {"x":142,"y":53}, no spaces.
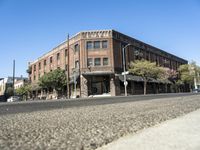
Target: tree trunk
{"x":145,"y":86}
{"x":190,"y":86}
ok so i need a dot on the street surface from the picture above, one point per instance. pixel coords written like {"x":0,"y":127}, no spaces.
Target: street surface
{"x":38,"y":105}
{"x":85,"y":124}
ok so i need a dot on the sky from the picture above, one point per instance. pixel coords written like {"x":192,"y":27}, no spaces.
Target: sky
{"x":31,"y":28}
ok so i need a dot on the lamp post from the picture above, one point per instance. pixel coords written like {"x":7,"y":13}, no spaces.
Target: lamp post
{"x":76,"y":66}
{"x":124,"y":68}
{"x":13,"y":77}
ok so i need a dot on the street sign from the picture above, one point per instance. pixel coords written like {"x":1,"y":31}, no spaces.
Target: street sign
{"x":127,"y":72}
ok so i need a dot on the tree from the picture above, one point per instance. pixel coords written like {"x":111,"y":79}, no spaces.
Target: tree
{"x":55,"y":80}
{"x":146,"y":70}
{"x":189,"y":74}
{"x":24,"y":90}
{"x":9,"y":91}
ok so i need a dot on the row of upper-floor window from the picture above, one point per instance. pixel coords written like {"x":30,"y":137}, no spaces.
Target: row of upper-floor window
{"x":160,"y":60}
{"x":76,"y":48}
{"x":91,"y":45}
{"x":98,"y":61}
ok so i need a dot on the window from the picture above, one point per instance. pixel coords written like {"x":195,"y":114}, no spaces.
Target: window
{"x":104,"y":44}
{"x":34,"y":77}
{"x":96,"y":44}
{"x":58,"y":56}
{"x":76,"y":64}
{"x":45,"y":62}
{"x":51,"y":59}
{"x":89,"y":45}
{"x":76,"y":48}
{"x":34,"y":67}
{"x":39,"y":65}
{"x":105,"y":61}
{"x":97,"y":61}
{"x":90,"y":62}
{"x":65,"y":52}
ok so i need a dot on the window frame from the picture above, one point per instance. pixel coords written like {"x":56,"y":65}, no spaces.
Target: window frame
{"x":99,"y":44}
{"x":107,"y":61}
{"x":51,"y":59}
{"x":92,"y":45}
{"x":92,"y":62}
{"x":99,"y":61}
{"x":103,"y":44}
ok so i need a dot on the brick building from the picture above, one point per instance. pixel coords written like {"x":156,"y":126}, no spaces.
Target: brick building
{"x":94,"y":59}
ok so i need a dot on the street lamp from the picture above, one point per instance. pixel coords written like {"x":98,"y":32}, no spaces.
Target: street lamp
{"x":76,"y":66}
{"x":124,"y":68}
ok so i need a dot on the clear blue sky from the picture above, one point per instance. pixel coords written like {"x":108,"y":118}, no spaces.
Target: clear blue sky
{"x":30,"y":28}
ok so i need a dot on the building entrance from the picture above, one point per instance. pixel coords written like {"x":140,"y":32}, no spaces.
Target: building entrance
{"x":99,"y":85}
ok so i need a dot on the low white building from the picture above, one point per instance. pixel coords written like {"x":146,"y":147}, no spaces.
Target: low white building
{"x":8,"y":82}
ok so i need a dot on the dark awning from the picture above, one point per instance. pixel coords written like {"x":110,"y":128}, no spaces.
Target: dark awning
{"x":165,"y":81}
{"x":130,"y":77}
{"x":97,"y":73}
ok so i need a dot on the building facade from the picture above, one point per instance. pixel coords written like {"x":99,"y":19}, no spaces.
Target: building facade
{"x":6,"y":83}
{"x":93,"y":61}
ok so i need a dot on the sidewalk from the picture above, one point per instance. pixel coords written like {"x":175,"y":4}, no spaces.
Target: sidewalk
{"x":182,"y":133}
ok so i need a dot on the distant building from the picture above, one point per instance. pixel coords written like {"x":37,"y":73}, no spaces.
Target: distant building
{"x":95,"y":63}
{"x":8,"y":82}
{"x":20,"y":83}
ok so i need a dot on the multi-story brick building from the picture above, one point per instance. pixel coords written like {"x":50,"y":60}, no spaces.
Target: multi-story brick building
{"x":94,"y":59}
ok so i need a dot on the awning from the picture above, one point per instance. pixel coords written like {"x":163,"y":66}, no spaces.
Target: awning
{"x":130,"y":77}
{"x":97,"y":73}
{"x":165,"y":81}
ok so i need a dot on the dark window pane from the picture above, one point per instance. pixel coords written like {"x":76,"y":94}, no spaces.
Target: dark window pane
{"x":45,"y":62}
{"x":89,"y":45}
{"x":51,"y":59}
{"x":97,"y":61}
{"x":104,"y":44}
{"x":58,"y":56}
{"x":97,"y":44}
{"x":39,"y":65}
{"x":90,"y":62}
{"x":34,"y":67}
{"x":76,"y":48}
{"x":105,"y":61}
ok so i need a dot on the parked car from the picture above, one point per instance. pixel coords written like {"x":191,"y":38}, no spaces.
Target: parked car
{"x":196,"y":90}
{"x":13,"y":99}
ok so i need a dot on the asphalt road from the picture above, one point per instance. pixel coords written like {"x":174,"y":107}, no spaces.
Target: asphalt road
{"x":38,"y":105}
{"x":88,"y":127}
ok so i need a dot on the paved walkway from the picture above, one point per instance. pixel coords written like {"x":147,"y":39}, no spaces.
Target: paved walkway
{"x":182,"y":133}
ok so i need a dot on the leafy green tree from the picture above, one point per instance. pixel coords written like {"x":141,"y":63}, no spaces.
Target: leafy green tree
{"x":24,"y":90}
{"x":189,"y":73}
{"x":55,"y":79}
{"x":9,"y":91}
{"x":146,"y":70}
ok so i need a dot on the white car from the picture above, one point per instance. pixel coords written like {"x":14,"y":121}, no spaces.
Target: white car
{"x":13,"y":99}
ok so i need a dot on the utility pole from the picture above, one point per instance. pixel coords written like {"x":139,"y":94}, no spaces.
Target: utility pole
{"x":13,"y":77}
{"x":68,"y":90}
{"x":124,"y":69}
